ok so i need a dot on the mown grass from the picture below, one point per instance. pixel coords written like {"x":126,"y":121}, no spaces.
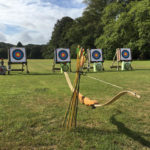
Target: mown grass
{"x":32,"y":109}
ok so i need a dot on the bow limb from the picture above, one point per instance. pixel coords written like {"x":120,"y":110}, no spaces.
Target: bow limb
{"x":117,"y":97}
{"x":82,"y":99}
{"x":87,"y":101}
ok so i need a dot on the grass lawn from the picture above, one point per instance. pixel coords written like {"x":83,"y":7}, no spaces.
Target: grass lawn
{"x":32,"y":109}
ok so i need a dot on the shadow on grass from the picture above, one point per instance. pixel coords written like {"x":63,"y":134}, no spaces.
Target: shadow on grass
{"x":35,"y":73}
{"x":112,"y":71}
{"x":142,"y":69}
{"x":94,"y":131}
{"x":132,"y":134}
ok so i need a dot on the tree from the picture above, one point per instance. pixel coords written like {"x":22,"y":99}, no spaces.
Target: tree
{"x":129,"y":29}
{"x":19,"y":44}
{"x":4,"y":49}
{"x":106,"y":24}
{"x":34,"y":51}
{"x":58,"y":38}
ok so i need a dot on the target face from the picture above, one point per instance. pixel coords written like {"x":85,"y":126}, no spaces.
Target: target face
{"x":96,"y":55}
{"x":17,"y":55}
{"x":62,"y":55}
{"x":125,"y":54}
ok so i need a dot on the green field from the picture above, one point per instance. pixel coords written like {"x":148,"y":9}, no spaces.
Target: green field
{"x":32,"y":109}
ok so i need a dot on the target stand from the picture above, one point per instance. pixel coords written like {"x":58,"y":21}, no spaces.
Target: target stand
{"x":62,"y":57}
{"x":17,"y":55}
{"x":87,"y":63}
{"x":95,"y":57}
{"x":3,"y":68}
{"x":122,"y":55}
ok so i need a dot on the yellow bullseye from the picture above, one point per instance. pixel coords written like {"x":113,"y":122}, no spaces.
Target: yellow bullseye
{"x":96,"y":55}
{"x":63,"y":54}
{"x":18,"y":54}
{"x":125,"y":54}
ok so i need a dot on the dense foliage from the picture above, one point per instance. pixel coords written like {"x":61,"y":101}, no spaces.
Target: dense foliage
{"x":4,"y":49}
{"x":107,"y":24}
{"x":33,"y":51}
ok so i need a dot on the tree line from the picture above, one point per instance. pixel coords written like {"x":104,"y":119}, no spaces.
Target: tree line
{"x":33,"y":51}
{"x":105,"y":24}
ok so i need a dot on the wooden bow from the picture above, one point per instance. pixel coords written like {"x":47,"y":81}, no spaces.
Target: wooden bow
{"x":94,"y":103}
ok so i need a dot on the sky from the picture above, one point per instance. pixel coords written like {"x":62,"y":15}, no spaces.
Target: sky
{"x":32,"y":21}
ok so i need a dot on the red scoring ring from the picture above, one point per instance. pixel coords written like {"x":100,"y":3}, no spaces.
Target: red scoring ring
{"x":63,"y":54}
{"x":17,"y":54}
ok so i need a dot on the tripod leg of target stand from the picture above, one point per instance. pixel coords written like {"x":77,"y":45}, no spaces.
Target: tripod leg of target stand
{"x":27,"y":68}
{"x":131,"y":68}
{"x":70,"y":67}
{"x":103,"y":67}
{"x":117,"y":65}
{"x":53,"y":70}
{"x":9,"y":68}
{"x":22,"y":67}
{"x":88,"y":65}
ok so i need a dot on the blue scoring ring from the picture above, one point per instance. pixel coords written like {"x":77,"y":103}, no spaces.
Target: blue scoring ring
{"x":63,"y":55}
{"x":16,"y":56}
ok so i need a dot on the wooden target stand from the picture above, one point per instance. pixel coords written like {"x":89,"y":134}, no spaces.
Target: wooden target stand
{"x":87,"y":64}
{"x":117,"y":57}
{"x":3,"y":68}
{"x":58,"y":68}
{"x":64,"y":65}
{"x":12,"y":60}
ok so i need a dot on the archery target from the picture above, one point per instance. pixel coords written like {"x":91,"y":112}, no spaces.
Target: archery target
{"x":63,"y":55}
{"x":125,"y":54}
{"x":17,"y":55}
{"x":96,"y":55}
